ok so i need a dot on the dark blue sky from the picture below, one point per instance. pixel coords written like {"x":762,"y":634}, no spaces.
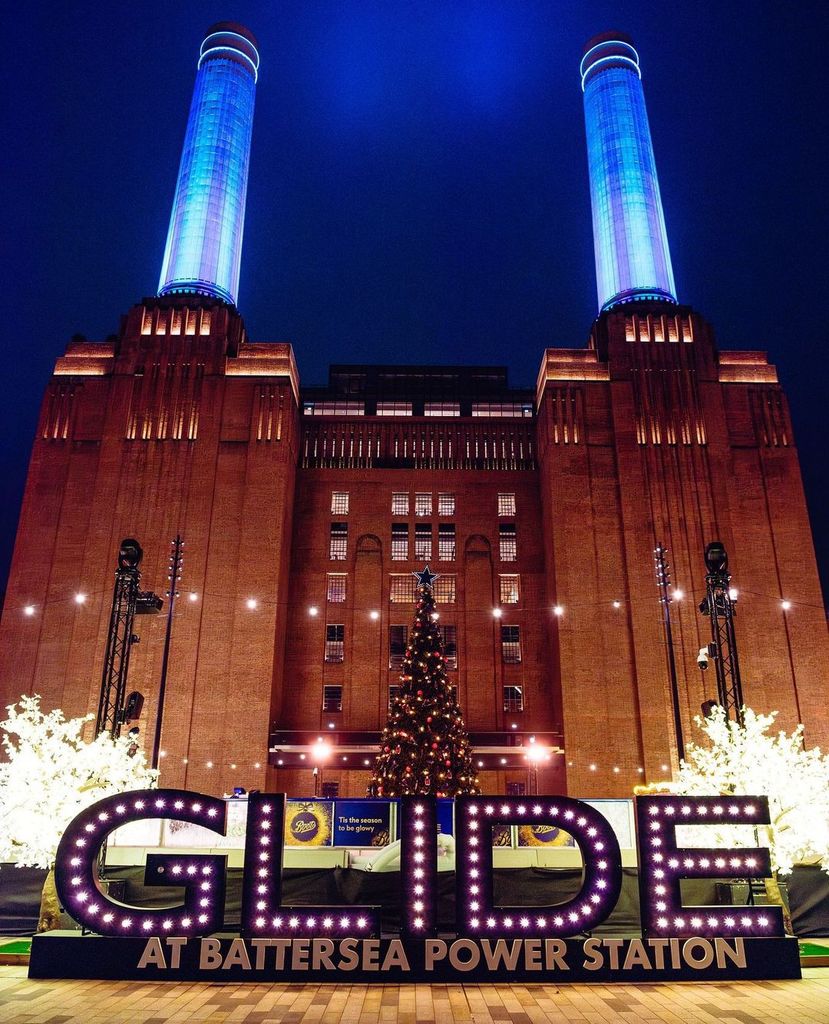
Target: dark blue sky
{"x":419,"y":184}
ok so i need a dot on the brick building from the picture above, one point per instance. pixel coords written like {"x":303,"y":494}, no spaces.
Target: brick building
{"x":305,"y":511}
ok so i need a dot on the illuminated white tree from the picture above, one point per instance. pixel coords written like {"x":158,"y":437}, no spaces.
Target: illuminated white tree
{"x":51,"y":774}
{"x":747,"y":760}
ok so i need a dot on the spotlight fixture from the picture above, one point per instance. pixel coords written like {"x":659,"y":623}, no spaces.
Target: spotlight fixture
{"x":80,"y":598}
{"x":716,"y":558}
{"x":785,"y":605}
{"x":497,"y":613}
{"x":558,"y":610}
{"x":374,"y":615}
{"x":252,"y":604}
{"x":29,"y":610}
{"x":313,"y":611}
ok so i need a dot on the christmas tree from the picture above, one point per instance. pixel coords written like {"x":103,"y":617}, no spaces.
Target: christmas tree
{"x":424,"y":749}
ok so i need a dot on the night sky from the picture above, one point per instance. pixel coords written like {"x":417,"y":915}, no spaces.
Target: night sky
{"x":418,"y":185}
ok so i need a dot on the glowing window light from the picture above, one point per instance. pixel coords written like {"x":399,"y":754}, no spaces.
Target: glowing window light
{"x":630,"y":241}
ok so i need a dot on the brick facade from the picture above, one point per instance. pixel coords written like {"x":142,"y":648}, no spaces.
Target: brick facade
{"x":647,"y":435}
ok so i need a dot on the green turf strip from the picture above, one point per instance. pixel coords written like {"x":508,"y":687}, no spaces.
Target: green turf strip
{"x":813,"y":949}
{"x":25,"y":946}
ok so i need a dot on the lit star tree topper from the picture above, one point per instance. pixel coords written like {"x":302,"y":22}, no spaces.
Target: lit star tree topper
{"x":424,"y":748}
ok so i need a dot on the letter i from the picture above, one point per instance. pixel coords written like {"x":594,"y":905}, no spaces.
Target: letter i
{"x":418,"y":865}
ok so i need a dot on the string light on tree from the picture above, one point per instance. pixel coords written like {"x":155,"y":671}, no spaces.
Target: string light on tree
{"x":424,"y":748}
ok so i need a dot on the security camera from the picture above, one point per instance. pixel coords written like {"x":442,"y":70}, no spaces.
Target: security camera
{"x":703,"y":659}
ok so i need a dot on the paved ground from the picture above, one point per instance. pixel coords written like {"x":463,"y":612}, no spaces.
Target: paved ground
{"x":110,"y":1002}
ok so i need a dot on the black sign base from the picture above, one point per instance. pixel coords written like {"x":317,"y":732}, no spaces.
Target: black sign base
{"x":388,"y":961}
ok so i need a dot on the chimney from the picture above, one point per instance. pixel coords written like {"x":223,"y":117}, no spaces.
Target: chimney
{"x":633,"y":262}
{"x":204,"y":241}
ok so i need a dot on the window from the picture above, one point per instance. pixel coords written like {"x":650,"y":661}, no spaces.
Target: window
{"x":513,"y":698}
{"x":423,"y":542}
{"x":330,"y":790}
{"x":449,"y":636}
{"x":506,"y":504}
{"x":393,"y":692}
{"x":333,"y":408}
{"x":442,"y":409}
{"x":402,"y":589}
{"x":339,"y":503}
{"x":501,"y":409}
{"x":444,"y":589}
{"x":516,"y":789}
{"x":397,"y":645}
{"x":510,"y":589}
{"x":394,"y":408}
{"x":335,"y":593}
{"x":332,"y":698}
{"x":446,"y":504}
{"x":334,"y":643}
{"x":399,"y":542}
{"x":508,"y":542}
{"x":338,"y":542}
{"x":446,"y":542}
{"x":423,"y":504}
{"x":400,"y":503}
{"x":511,"y":645}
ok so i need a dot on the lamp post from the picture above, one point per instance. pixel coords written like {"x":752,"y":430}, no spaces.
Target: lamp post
{"x":663,"y":581}
{"x":320,"y":753}
{"x":535,"y":755}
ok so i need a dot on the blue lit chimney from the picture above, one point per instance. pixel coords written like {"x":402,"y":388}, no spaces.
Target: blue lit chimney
{"x":632,"y":257}
{"x":204,"y":242}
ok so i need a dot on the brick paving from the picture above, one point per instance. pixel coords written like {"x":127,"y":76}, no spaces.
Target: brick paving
{"x":119,"y":1002}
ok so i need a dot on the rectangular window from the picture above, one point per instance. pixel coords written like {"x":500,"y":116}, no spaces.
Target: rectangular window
{"x":332,"y":698}
{"x":333,"y":408}
{"x":444,"y":589}
{"x":399,"y":542}
{"x":513,"y":698}
{"x":402,"y":589}
{"x":510,"y":589}
{"x":423,"y":504}
{"x":335,"y":593}
{"x":423,"y":542}
{"x":511,"y":645}
{"x":397,"y":645}
{"x":442,"y":409}
{"x":338,"y":542}
{"x":330,"y":790}
{"x":523,"y":410}
{"x":334,"y":644}
{"x":394,"y":408}
{"x":446,"y":504}
{"x":446,"y":542}
{"x":508,"y":542}
{"x":516,"y":789}
{"x":400,"y":503}
{"x":339,"y":503}
{"x":393,"y":692}
{"x":449,"y":635}
{"x":506,"y":504}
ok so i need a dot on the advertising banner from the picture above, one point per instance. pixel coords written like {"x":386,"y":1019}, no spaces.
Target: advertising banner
{"x":362,"y":823}
{"x":309,"y":822}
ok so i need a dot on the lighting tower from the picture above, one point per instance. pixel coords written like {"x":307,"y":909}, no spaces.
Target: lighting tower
{"x":204,"y":241}
{"x":127,"y":601}
{"x":718,"y":605}
{"x":631,"y":245}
